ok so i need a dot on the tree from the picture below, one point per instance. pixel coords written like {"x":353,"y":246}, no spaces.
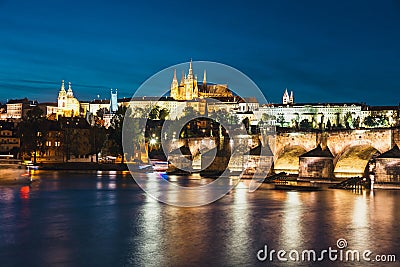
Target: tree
{"x":329,"y":125}
{"x":142,"y":112}
{"x":190,"y":111}
{"x":356,"y":122}
{"x":220,"y":116}
{"x":337,"y":123}
{"x":305,"y":125}
{"x":163,"y":113}
{"x":267,"y":117}
{"x":102,"y":111}
{"x":246,"y":123}
{"x":154,"y":113}
{"x":295,"y":124}
{"x":35,"y":113}
{"x":382,"y":120}
{"x":348,"y":120}
{"x":233,"y":119}
{"x":369,"y":121}
{"x":281,"y":120}
{"x":115,"y":132}
{"x":32,"y":132}
{"x":134,"y":134}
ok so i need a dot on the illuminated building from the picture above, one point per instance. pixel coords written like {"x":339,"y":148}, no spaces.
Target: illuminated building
{"x":68,"y":105}
{"x":17,"y":108}
{"x":315,"y":114}
{"x":9,"y":142}
{"x":288,"y":99}
{"x":189,"y":88}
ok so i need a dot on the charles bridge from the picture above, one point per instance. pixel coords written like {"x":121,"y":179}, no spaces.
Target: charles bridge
{"x":329,"y":154}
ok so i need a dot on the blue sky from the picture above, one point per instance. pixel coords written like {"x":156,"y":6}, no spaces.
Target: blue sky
{"x":326,"y":51}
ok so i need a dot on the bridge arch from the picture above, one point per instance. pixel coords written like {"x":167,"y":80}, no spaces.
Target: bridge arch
{"x":353,"y":160}
{"x":287,"y":159}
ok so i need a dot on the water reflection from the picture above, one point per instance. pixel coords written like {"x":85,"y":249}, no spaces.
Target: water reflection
{"x":105,"y":219}
{"x":240,"y":224}
{"x":291,"y":226}
{"x":360,"y":220}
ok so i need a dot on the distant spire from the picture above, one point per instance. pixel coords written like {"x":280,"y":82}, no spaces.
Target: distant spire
{"x":62,"y":86}
{"x":183,"y":79}
{"x":285,"y":98}
{"x":113,"y":101}
{"x":190,"y":74}
{"x":69,"y":92}
{"x":205,"y":77}
{"x":175,"y":79}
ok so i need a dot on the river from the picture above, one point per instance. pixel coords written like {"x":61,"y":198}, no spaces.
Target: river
{"x":105,"y":219}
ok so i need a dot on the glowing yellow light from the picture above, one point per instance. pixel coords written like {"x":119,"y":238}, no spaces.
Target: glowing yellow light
{"x":153,"y":141}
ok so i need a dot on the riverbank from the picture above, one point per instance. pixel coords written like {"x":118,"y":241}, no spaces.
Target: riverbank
{"x":89,"y":166}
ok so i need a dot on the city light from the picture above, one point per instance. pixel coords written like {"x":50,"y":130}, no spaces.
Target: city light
{"x":153,"y":141}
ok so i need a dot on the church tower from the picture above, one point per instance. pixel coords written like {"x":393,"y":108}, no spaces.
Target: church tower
{"x":188,"y":87}
{"x":196,"y":88}
{"x":175,"y":87}
{"x":68,"y":105}
{"x":285,"y":98}
{"x":70,"y":94}
{"x":62,"y":96}
{"x":291,"y":99}
{"x":114,"y":101}
{"x":288,"y":99}
{"x":204,"y":85}
{"x":189,"y":84}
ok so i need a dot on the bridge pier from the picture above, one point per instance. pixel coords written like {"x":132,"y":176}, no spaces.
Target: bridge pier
{"x":387,"y":166}
{"x":317,"y":163}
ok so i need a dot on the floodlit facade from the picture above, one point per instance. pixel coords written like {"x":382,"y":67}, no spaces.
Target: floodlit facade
{"x":68,"y":105}
{"x":8,"y":141}
{"x":189,"y":88}
{"x":316,"y":114}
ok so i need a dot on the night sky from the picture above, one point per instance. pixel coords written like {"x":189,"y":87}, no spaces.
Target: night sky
{"x":326,"y":51}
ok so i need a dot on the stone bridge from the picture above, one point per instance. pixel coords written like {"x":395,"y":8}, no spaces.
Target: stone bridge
{"x":351,"y":149}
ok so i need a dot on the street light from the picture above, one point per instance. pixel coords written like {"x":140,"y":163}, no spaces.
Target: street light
{"x":153,"y":141}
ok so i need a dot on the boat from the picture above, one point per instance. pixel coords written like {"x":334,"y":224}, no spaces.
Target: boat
{"x":13,"y":172}
{"x":159,"y":166}
{"x":297,"y":187}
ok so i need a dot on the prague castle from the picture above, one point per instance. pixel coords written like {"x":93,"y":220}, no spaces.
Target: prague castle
{"x":189,"y":88}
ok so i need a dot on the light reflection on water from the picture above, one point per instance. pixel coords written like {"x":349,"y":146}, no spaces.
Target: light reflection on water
{"x":105,"y":219}
{"x":291,"y":225}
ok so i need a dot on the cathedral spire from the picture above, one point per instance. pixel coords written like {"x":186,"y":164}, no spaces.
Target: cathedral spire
{"x":190,"y":74}
{"x":205,"y":77}
{"x":174,"y":87}
{"x":183,"y":79}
